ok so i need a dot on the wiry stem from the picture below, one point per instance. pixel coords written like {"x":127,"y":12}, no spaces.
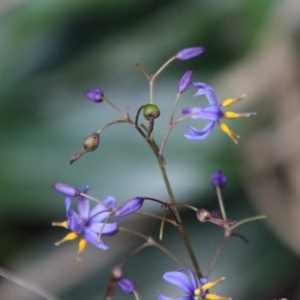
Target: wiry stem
{"x":181,"y":228}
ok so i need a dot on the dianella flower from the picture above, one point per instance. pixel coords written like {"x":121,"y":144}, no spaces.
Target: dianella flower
{"x":88,"y":224}
{"x":191,"y":286}
{"x":213,"y":113}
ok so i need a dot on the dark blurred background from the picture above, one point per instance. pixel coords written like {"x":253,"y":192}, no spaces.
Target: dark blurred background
{"x":53,"y":51}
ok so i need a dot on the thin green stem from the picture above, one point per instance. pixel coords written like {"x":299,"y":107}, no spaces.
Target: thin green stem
{"x":181,"y":228}
{"x":115,"y":107}
{"x":221,"y":203}
{"x":149,"y":241}
{"x":250,"y":219}
{"x":153,"y":77}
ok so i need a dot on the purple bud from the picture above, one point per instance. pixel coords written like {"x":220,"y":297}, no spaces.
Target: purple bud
{"x":185,"y":81}
{"x":188,"y":53}
{"x":66,"y":190}
{"x":218,"y":178}
{"x":126,"y":285}
{"x":95,"y":95}
{"x":129,"y":207}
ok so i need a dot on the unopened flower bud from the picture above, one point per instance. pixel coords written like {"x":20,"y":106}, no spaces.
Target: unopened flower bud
{"x":66,"y":190}
{"x":151,"y":111}
{"x":95,"y":95}
{"x":218,"y":178}
{"x":125,"y":284}
{"x":189,"y":53}
{"x":185,"y":81}
{"x":91,"y":143}
{"x":129,"y":207}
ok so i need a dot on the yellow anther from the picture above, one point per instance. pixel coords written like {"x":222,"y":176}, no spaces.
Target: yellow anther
{"x":233,"y":115}
{"x":60,"y":224}
{"x":210,"y":284}
{"x":216,"y":297}
{"x":230,"y":101}
{"x":81,"y":246}
{"x":229,"y":132}
{"x":69,"y":237}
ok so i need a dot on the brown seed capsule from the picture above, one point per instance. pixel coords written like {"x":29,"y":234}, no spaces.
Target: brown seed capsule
{"x":91,"y":143}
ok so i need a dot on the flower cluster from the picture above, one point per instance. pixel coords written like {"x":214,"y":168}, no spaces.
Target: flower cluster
{"x":93,"y":224}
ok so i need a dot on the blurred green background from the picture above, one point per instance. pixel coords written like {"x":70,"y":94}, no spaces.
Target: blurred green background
{"x":53,"y":51}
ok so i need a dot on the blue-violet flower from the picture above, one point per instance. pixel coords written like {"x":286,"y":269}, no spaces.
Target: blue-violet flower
{"x":193,"y":288}
{"x":213,"y":113}
{"x":90,"y":224}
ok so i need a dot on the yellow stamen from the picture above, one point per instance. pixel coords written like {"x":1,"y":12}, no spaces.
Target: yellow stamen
{"x":230,"y":101}
{"x":69,"y":237}
{"x":60,"y":224}
{"x":216,"y":297}
{"x":229,"y":132}
{"x":81,"y":246}
{"x":233,"y":115}
{"x":210,"y":284}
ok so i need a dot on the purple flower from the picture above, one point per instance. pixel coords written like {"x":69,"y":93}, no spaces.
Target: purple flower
{"x":95,"y":95}
{"x":188,"y":53}
{"x":213,"y":113}
{"x":90,"y":224}
{"x":185,"y":81}
{"x":218,"y":178}
{"x":129,"y":207}
{"x":191,"y":286}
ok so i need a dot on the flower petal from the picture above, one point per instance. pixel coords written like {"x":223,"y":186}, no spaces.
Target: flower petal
{"x":180,"y":280}
{"x":99,"y":213}
{"x":83,"y":206}
{"x":207,"y":90}
{"x":212,"y":113}
{"x":194,"y":134}
{"x":104,"y":228}
{"x":93,"y":239}
{"x":109,"y":201}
